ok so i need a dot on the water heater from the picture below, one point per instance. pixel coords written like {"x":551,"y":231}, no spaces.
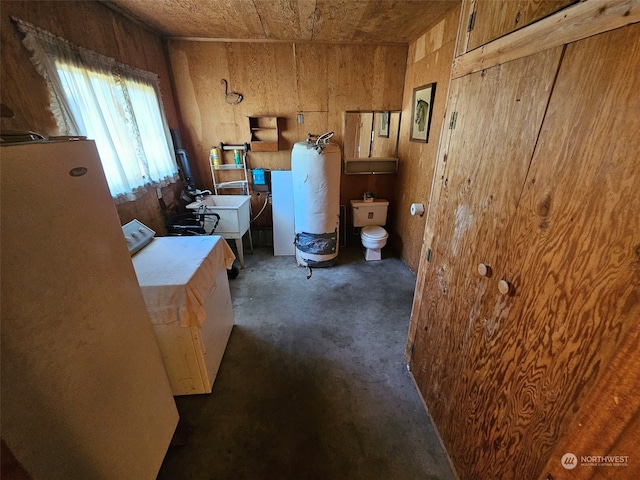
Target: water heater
{"x":315,"y":172}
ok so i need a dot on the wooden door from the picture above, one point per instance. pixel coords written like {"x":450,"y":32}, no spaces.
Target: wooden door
{"x":574,"y":260}
{"x":490,"y":149}
{"x":487,"y":20}
{"x":503,"y":375}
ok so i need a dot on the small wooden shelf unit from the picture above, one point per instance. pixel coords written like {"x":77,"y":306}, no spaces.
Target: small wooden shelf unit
{"x":265,"y":134}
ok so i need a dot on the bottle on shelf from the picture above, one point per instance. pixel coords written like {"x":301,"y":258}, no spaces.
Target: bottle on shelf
{"x":237,"y":158}
{"x":215,"y":158}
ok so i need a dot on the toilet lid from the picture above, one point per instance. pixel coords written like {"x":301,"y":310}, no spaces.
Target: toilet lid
{"x":374,"y":233}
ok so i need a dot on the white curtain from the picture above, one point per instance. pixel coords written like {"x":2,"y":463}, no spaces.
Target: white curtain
{"x":116,"y":105}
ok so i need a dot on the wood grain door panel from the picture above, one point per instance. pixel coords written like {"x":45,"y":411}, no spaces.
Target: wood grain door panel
{"x":550,"y":201}
{"x":574,"y":255}
{"x":494,"y":18}
{"x":489,"y":153}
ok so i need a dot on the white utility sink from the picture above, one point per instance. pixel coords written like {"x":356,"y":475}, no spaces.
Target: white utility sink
{"x":234,"y":217}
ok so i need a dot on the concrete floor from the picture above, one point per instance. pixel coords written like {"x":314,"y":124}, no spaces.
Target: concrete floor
{"x":313,"y":383}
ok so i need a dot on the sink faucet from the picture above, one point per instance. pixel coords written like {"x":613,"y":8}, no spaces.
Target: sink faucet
{"x":199,"y":194}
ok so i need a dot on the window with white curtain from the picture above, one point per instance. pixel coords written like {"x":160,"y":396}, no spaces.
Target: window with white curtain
{"x":116,"y":105}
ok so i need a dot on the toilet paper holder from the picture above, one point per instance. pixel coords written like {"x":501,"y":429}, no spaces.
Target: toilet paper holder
{"x":417,"y":209}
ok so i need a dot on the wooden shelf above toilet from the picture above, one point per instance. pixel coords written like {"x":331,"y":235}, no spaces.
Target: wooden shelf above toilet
{"x":370,"y":166}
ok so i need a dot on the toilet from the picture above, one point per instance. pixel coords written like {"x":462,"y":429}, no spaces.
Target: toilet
{"x":371,"y":216}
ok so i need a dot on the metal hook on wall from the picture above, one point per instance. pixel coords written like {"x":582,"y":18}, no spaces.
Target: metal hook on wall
{"x":232,"y":98}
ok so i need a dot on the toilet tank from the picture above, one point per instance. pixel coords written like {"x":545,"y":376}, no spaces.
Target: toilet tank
{"x":369,"y":213}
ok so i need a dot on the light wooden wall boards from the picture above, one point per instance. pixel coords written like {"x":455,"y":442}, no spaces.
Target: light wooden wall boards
{"x":615,"y":393}
{"x":500,"y":112}
{"x":486,"y":20}
{"x":540,"y":183}
{"x":575,"y":249}
{"x":579,"y":21}
{"x":319,"y":81}
{"x":429,"y":61}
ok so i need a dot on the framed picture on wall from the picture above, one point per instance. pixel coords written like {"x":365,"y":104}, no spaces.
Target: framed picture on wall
{"x":421,"y":112}
{"x":383,"y":124}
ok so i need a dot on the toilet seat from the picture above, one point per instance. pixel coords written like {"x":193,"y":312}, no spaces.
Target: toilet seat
{"x":374,"y":233}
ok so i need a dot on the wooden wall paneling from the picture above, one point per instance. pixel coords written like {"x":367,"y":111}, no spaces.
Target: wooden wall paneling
{"x":495,"y":18}
{"x":353,"y":187}
{"x":158,"y":62}
{"x":287,"y":90}
{"x":11,"y":468}
{"x":128,"y":40}
{"x":352,"y":85}
{"x":321,"y":81}
{"x":429,"y":60}
{"x":616,"y":393}
{"x":314,"y":122}
{"x":350,"y":88}
{"x":574,"y":23}
{"x":264,"y":220}
{"x":312,"y":80}
{"x":433,"y":185}
{"x":261,"y":72}
{"x":200,"y":96}
{"x":420,"y":300}
{"x":389,"y":67}
{"x":98,"y":21}
{"x":146,"y":209}
{"x":312,"y":67}
{"x":574,"y":262}
{"x":435,"y":38}
{"x":23,"y":89}
{"x":335,"y":120}
{"x":224,"y":120}
{"x":251,"y":70}
{"x":188,"y":107}
{"x":500,"y":112}
{"x":265,"y":73}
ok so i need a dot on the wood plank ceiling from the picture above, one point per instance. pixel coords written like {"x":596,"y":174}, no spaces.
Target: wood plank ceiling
{"x":357,"y":21}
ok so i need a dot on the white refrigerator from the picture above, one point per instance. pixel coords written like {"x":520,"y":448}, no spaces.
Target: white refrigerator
{"x":84,"y":390}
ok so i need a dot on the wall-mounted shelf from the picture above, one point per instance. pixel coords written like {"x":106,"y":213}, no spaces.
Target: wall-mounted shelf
{"x":265,"y":134}
{"x":370,"y":166}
